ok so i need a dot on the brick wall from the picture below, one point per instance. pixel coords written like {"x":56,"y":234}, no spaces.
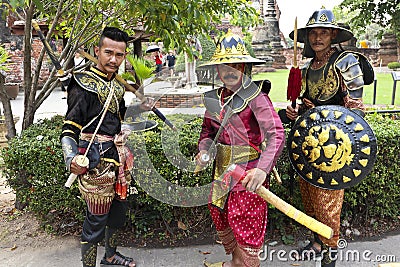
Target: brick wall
{"x":371,"y":53}
{"x":16,"y":63}
{"x":14,"y":45}
{"x":178,"y":100}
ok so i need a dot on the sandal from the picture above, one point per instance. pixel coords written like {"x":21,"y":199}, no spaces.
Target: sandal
{"x":217,"y":264}
{"x":119,"y":260}
{"x":123,"y":256}
{"x":308,"y":252}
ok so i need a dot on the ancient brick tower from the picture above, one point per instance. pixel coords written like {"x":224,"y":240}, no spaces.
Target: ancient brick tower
{"x":266,"y":41}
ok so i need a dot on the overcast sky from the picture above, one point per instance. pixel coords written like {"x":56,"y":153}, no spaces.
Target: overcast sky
{"x":303,"y":9}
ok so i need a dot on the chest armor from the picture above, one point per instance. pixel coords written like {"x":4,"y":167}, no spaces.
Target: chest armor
{"x":321,"y":86}
{"x":213,"y":99}
{"x":91,"y":82}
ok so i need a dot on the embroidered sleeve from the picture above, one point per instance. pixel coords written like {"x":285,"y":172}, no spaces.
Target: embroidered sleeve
{"x":76,"y":113}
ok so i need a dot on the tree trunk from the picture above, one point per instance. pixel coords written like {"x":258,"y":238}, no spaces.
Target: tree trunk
{"x":29,"y":110}
{"x":8,"y":115}
{"x":29,"y":92}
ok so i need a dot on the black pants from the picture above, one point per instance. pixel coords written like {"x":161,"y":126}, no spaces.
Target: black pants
{"x":94,"y":226}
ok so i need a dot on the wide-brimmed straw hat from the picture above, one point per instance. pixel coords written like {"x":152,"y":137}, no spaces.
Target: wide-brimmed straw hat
{"x":322,"y":18}
{"x":230,"y":48}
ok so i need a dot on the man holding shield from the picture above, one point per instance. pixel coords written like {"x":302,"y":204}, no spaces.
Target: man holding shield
{"x":240,"y":126}
{"x":330,"y":78}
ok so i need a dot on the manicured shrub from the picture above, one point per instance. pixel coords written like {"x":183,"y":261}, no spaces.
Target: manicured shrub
{"x":378,"y":195}
{"x":167,"y":198}
{"x":35,"y":169}
{"x":394,"y":65}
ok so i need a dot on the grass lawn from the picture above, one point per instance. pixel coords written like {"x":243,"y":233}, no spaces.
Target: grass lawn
{"x":384,"y":87}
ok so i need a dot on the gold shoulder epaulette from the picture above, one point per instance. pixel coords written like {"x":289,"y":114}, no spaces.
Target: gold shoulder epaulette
{"x":88,"y":81}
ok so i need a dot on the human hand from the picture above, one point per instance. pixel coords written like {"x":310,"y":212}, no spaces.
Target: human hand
{"x":76,"y":168}
{"x":291,"y":112}
{"x":147,"y":104}
{"x":308,"y":103}
{"x":254,"y":179}
{"x":201,"y":158}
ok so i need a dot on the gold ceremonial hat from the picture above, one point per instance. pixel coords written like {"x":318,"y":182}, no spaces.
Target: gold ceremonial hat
{"x":231,"y":49}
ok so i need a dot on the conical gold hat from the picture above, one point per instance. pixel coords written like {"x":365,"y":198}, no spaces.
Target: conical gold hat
{"x":231,"y":49}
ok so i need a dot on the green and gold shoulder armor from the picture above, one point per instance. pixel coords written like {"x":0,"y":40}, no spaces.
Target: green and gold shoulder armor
{"x":91,"y":82}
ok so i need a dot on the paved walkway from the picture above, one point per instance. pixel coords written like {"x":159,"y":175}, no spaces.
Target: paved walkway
{"x":65,"y":252}
{"x":56,"y":104}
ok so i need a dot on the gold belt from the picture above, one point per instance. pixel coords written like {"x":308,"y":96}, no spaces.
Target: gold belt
{"x":227,"y":155}
{"x":99,"y":137}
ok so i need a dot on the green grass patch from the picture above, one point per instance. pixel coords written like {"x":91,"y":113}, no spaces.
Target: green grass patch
{"x":384,"y":90}
{"x":384,"y":87}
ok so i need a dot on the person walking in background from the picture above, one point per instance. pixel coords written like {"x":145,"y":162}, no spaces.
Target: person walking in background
{"x":253,"y":137}
{"x":329,"y":78}
{"x":171,"y":62}
{"x":79,"y":60}
{"x":158,"y":58}
{"x":104,"y":182}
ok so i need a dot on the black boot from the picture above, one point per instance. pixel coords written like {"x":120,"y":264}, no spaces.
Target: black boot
{"x":89,"y":254}
{"x":110,"y":245}
{"x":329,"y":256}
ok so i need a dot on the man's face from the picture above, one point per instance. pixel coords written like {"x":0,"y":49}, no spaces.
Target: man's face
{"x":321,"y":38}
{"x":110,"y":55}
{"x":231,"y":74}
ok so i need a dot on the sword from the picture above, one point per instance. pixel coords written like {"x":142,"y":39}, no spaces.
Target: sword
{"x":63,"y":76}
{"x":82,"y":160}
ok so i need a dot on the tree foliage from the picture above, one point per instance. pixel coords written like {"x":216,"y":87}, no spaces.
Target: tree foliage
{"x":385,"y":13}
{"x":3,"y":58}
{"x":169,"y":21}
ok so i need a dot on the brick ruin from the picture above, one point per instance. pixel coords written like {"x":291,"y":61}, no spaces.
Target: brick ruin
{"x":13,"y":43}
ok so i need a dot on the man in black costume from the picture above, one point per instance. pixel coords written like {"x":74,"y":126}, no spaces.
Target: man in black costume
{"x":104,"y":182}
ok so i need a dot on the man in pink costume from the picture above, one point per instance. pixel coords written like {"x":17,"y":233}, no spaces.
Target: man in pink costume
{"x":252,"y":136}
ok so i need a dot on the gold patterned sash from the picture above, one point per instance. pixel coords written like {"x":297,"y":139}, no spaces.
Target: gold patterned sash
{"x":97,"y":187}
{"x":227,"y":155}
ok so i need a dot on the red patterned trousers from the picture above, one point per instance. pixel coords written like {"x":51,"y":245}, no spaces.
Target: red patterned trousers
{"x":242,"y":225}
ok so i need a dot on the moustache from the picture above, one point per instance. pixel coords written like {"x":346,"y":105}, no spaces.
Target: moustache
{"x":230,"y":76}
{"x":112,"y":66}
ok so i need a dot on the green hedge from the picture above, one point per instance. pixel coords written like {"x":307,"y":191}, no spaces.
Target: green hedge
{"x":163,"y":170}
{"x":394,"y":65}
{"x":35,"y":169}
{"x":379,"y":194}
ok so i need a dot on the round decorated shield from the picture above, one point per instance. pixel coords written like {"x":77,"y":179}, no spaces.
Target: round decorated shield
{"x":332,"y":147}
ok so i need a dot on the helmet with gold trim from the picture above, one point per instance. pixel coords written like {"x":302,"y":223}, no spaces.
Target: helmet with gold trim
{"x":322,"y":18}
{"x":230,"y":48}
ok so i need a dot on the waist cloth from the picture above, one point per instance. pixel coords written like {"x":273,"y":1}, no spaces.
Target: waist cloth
{"x":109,"y":179}
{"x":225,"y":156}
